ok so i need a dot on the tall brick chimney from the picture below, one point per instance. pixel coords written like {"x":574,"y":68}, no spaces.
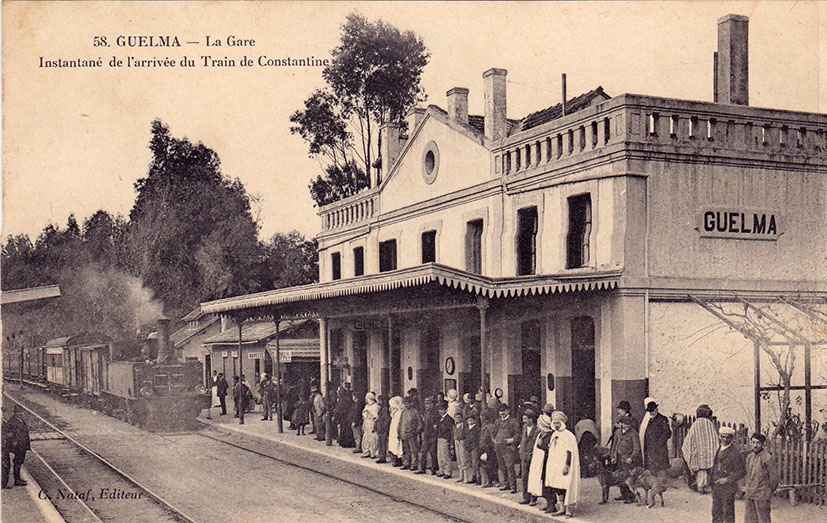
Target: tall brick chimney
{"x":458,"y":104}
{"x":495,"y":103}
{"x":731,"y":81}
{"x":390,"y":147}
{"x":166,"y":353}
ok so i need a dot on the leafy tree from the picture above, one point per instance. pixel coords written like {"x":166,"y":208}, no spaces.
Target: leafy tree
{"x":291,"y":260}
{"x":17,"y":258}
{"x":373,"y":79}
{"x":99,"y":233}
{"x":191,"y":233}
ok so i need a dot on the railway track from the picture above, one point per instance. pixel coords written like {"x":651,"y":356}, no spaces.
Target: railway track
{"x":357,"y":484}
{"x":84,"y":486}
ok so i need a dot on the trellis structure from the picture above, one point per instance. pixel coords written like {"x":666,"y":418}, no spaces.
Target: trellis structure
{"x":757,"y":319}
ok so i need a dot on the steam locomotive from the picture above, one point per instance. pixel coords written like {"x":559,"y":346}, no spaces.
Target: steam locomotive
{"x":151,"y":389}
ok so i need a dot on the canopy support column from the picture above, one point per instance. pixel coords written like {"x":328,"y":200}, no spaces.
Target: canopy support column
{"x":323,"y":377}
{"x":482,"y":305}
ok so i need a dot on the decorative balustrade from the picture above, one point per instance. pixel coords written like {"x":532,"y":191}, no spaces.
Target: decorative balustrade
{"x":702,"y":128}
{"x":351,"y":211}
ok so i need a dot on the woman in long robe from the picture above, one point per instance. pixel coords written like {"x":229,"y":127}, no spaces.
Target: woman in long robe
{"x":563,"y":465}
{"x":699,"y":448}
{"x":370,"y":439}
{"x":394,"y":443}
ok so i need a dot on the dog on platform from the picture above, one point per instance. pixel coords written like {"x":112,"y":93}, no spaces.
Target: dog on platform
{"x":608,"y":474}
{"x":653,"y":486}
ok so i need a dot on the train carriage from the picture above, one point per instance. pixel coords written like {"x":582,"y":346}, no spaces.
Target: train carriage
{"x":56,"y":360}
{"x":78,"y":362}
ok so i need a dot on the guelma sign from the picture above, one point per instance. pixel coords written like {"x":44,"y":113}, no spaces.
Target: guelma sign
{"x":742,"y":224}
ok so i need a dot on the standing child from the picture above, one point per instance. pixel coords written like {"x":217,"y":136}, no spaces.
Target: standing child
{"x":300,"y":415}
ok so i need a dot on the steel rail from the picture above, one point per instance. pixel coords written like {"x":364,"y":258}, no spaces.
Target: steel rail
{"x":450,"y":517}
{"x":70,"y":489}
{"x":156,"y":497}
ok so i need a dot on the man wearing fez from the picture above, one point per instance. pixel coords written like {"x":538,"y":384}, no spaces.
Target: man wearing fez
{"x":727,"y":469}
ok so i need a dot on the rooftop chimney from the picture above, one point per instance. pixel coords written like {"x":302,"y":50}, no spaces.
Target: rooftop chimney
{"x":732,"y":70}
{"x":458,"y":105}
{"x":389,"y":148}
{"x":564,"y":95}
{"x":495,"y":103}
{"x":413,"y":118}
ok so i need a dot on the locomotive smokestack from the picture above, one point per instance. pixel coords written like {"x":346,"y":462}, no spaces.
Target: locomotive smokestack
{"x":165,"y":353}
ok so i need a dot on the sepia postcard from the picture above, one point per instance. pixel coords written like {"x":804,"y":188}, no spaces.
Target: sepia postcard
{"x":414,"y":261}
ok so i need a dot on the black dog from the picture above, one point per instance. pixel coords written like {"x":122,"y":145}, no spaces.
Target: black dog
{"x":608,"y":474}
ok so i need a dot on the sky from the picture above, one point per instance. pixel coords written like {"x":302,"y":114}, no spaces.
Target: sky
{"x":75,"y":140}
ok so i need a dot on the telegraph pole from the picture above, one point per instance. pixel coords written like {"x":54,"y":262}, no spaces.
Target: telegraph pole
{"x":278,"y":375}
{"x":242,"y":403}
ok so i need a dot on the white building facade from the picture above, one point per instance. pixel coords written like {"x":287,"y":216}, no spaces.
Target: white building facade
{"x":560,"y":255}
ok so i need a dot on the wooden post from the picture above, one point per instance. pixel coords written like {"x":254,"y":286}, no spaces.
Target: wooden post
{"x":808,"y":393}
{"x":278,"y":381}
{"x":757,"y":384}
{"x":390,"y":357}
{"x":482,"y":305}
{"x":241,"y":401}
{"x":22,"y":348}
{"x":323,"y":356}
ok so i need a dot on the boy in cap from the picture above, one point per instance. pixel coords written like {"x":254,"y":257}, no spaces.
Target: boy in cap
{"x":625,"y":453}
{"x":761,"y":481}
{"x":727,"y":469}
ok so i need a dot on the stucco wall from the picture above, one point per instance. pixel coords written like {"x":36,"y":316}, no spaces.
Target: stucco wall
{"x":694,"y":359}
{"x":678,"y":191}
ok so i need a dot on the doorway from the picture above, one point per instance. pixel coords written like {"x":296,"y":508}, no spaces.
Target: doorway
{"x":359,"y":367}
{"x":207,"y":371}
{"x":396,"y":363}
{"x":531,"y":383}
{"x":429,"y":380}
{"x":583,"y":369}
{"x":472,"y":382}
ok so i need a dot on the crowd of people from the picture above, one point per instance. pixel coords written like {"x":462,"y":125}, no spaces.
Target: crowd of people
{"x":464,"y":439}
{"x":486,"y":443}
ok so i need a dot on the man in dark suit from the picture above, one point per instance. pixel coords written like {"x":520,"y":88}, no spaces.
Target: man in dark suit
{"x":15,"y":441}
{"x":526,"y":450}
{"x":654,"y":435}
{"x":222,"y":392}
{"x":242,"y":398}
{"x":727,"y":469}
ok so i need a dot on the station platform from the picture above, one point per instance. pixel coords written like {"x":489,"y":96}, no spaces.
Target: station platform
{"x":681,"y":504}
{"x":22,"y":505}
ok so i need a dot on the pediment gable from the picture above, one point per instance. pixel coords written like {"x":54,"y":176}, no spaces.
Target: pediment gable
{"x":439,"y":158}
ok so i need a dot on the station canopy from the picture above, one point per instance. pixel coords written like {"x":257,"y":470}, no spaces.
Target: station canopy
{"x":414,"y":281}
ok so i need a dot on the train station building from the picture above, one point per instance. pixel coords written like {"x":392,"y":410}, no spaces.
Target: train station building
{"x":565,"y":254}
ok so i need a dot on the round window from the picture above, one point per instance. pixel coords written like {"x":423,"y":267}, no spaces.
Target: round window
{"x":430,"y":162}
